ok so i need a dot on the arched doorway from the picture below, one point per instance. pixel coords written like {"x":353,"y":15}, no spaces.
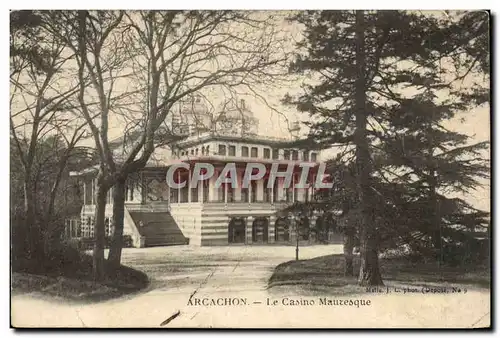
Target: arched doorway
{"x":281,"y":230}
{"x":236,"y":230}
{"x":303,"y":225}
{"x":260,"y":228}
{"x":325,"y":224}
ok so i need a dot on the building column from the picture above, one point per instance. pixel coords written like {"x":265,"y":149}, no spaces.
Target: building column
{"x":168,"y":194}
{"x":281,"y":189}
{"x":84,"y":193}
{"x":259,"y":196}
{"x":200,"y":191}
{"x":312,"y":223}
{"x":212,"y":193}
{"x":293,"y":228}
{"x":237,"y":191}
{"x":248,"y":232}
{"x":272,"y":194}
{"x":215,"y":191}
{"x":178,"y":189}
{"x":249,"y":192}
{"x":110,"y":192}
{"x":312,"y":188}
{"x":92,"y":191}
{"x":189,"y":186}
{"x":293,"y":188}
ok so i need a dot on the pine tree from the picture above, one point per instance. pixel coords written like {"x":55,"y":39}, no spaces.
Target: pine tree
{"x":367,"y":69}
{"x":465,"y":39}
{"x":435,"y":164}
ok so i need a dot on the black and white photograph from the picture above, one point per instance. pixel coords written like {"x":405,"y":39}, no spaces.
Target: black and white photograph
{"x":232,"y":169}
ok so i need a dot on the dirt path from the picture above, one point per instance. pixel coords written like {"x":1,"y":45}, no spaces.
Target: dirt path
{"x":226,"y":287}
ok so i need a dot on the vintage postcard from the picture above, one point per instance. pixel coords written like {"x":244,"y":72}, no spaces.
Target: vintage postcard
{"x":250,"y":169}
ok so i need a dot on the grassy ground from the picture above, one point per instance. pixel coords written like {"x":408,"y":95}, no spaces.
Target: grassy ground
{"x":68,"y":277}
{"x":325,"y":274}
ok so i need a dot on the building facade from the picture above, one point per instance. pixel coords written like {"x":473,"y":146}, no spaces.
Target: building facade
{"x":156,"y":214}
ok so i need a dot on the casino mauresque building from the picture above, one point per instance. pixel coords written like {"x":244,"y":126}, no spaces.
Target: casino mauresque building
{"x":156,"y":214}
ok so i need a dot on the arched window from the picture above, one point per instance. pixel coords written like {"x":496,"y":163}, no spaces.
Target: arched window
{"x":254,"y":152}
{"x":260,"y":228}
{"x":281,"y":230}
{"x":222,"y":149}
{"x":306,"y":155}
{"x":236,"y":230}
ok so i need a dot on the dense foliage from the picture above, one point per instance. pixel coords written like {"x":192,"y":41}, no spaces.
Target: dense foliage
{"x":382,"y":98}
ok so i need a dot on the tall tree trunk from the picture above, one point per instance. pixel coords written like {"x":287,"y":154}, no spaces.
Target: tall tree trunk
{"x":115,"y":252}
{"x":436,"y":218}
{"x":99,"y":232}
{"x":52,"y":232}
{"x":369,"y":273}
{"x":349,"y":252}
{"x":32,"y":234}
